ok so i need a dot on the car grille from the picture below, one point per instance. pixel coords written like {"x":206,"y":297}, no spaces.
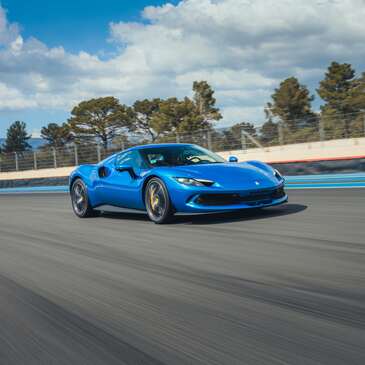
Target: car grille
{"x":253,"y":198}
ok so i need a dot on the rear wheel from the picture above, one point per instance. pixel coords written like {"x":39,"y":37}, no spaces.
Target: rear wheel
{"x":157,"y":201}
{"x":80,"y":200}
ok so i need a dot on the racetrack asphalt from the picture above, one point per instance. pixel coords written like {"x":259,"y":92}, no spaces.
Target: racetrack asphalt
{"x":281,"y":286}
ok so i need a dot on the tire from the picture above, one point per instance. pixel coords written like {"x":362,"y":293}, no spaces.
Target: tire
{"x":80,"y":200}
{"x":157,"y":201}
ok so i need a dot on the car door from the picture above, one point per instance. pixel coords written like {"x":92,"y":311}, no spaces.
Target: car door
{"x":120,"y":188}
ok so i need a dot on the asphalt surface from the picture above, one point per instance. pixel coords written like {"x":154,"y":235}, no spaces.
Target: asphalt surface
{"x":284,"y":286}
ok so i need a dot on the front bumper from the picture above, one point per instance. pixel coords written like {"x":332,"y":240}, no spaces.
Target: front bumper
{"x":211,"y":200}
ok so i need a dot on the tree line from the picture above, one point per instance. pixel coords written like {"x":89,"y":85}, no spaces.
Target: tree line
{"x":341,"y":115}
{"x":289,"y":116}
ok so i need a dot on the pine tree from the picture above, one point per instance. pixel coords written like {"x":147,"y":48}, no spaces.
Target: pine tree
{"x":291,"y":103}
{"x":205,"y":102}
{"x":102,"y":118}
{"x":56,"y":135}
{"x":269,"y":133}
{"x":177,"y":117}
{"x":143,"y":120}
{"x":356,"y":100}
{"x":337,"y":91}
{"x":232,"y":137}
{"x":17,"y":138}
{"x":356,"y":95}
{"x":336,"y":87}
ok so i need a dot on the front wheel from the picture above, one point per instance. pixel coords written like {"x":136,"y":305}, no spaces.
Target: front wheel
{"x":157,"y":201}
{"x":80,"y":200}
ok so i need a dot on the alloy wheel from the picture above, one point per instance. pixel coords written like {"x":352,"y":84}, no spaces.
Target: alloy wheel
{"x":79,"y":198}
{"x":156,"y":199}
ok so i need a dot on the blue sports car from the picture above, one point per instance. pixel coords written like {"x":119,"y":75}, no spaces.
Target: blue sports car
{"x":163,"y":179}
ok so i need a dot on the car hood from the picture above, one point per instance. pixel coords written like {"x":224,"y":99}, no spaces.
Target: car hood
{"x":229,"y":176}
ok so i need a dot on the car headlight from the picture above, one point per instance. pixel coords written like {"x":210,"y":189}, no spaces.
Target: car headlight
{"x":278,"y":175}
{"x":194,"y":182}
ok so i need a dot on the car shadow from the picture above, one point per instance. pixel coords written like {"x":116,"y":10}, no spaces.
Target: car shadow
{"x":242,"y":215}
{"x":216,"y":218}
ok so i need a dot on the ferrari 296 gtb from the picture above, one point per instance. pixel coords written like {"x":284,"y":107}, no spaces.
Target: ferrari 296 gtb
{"x":164,"y":179}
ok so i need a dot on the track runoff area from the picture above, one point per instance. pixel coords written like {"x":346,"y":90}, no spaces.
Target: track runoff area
{"x":282,"y":286}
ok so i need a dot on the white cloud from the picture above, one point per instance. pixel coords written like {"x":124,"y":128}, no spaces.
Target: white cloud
{"x":238,"y":114}
{"x":11,"y":98}
{"x":36,"y":133}
{"x":242,"y":47}
{"x":17,"y":45}
{"x":8,"y":32}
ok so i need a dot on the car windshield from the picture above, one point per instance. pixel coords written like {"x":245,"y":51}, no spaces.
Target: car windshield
{"x":179,"y":156}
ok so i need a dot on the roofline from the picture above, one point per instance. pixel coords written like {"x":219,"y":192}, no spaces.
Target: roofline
{"x":141,"y":147}
{"x":157,"y":145}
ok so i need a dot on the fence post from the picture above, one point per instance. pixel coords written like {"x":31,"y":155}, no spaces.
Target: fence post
{"x":281,"y":134}
{"x":178,"y":136}
{"x":243,"y":141}
{"x":209,"y":138}
{"x":98,"y":151}
{"x":16,"y":162}
{"x":76,"y":155}
{"x":35,"y":160}
{"x":54,"y":157}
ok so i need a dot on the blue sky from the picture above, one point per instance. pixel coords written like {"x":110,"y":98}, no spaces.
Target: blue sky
{"x":74,"y":24}
{"x":54,"y":54}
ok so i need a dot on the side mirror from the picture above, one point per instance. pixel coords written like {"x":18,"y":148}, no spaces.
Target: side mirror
{"x":126,"y":168}
{"x":103,"y":172}
{"x":232,"y":159}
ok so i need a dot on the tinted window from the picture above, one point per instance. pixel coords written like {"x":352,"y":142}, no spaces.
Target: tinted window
{"x":178,"y":156}
{"x":129,"y":158}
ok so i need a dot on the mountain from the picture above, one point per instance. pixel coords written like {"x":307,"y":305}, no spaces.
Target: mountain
{"x":34,"y":142}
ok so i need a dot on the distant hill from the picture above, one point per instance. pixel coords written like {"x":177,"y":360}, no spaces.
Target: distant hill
{"x":34,"y":142}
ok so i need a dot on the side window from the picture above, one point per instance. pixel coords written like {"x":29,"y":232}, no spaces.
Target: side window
{"x":130,"y":158}
{"x":156,"y":159}
{"x":191,"y":154}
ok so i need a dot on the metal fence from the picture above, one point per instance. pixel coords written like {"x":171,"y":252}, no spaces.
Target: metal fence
{"x":218,"y":140}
